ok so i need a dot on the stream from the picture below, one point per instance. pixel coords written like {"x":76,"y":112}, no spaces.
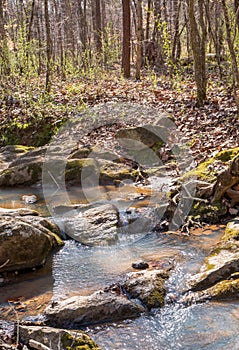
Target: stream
{"x":78,"y":269}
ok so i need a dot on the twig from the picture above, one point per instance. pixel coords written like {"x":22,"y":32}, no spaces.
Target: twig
{"x":4,"y":264}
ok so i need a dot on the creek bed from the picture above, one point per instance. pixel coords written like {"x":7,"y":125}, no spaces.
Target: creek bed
{"x":77,"y":269}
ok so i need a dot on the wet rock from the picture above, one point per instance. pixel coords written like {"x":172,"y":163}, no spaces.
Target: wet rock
{"x":110,"y":173}
{"x":224,"y":290}
{"x":26,"y":174}
{"x":56,"y":338}
{"x":147,"y":286}
{"x":25,"y":239}
{"x":94,"y":226}
{"x":29,"y":199}
{"x":95,"y":308}
{"x":141,"y":265}
{"x":222,"y":261}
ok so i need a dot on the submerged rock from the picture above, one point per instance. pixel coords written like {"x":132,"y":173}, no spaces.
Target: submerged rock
{"x":95,"y":308}
{"x":55,"y":338}
{"x":25,"y":239}
{"x":94,"y":226}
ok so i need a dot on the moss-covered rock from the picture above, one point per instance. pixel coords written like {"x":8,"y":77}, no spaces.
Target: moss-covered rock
{"x":25,"y":240}
{"x":222,"y":261}
{"x":147,"y":286}
{"x":72,"y":342}
{"x":76,"y":169}
{"x":208,"y":170}
{"x":112,"y":172}
{"x":56,"y":338}
{"x":206,"y":212}
{"x":224,"y":290}
{"x":26,"y":174}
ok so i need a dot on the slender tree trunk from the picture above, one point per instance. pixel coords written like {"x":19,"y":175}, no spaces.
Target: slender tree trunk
{"x":139,"y":39}
{"x":176,"y":48}
{"x":126,"y":38}
{"x":2,"y":30}
{"x":148,"y":20}
{"x":198,"y":41}
{"x":97,"y":24}
{"x":48,"y":47}
{"x":235,"y":71}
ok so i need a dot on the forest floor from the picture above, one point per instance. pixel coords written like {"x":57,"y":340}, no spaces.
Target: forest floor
{"x":29,"y":117}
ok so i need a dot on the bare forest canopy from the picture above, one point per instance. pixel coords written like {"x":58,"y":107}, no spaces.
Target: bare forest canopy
{"x":58,"y":38}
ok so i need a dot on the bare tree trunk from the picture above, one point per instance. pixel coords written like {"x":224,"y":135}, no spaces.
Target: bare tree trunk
{"x":198,"y":41}
{"x":235,"y":72}
{"x":97,"y":26}
{"x":48,"y":47}
{"x":126,"y":38}
{"x":148,"y":20}
{"x":2,"y":30}
{"x":139,"y":39}
{"x":176,"y":48}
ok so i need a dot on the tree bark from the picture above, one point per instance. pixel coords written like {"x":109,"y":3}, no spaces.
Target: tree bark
{"x":126,"y":38}
{"x":235,"y":71}
{"x":139,"y":39}
{"x":198,"y":41}
{"x":48,"y":47}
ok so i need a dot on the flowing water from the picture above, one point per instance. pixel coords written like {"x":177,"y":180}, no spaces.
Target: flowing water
{"x":77,"y":269}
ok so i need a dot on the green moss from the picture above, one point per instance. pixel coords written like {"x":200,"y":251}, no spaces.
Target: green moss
{"x":204,"y":172}
{"x":231,"y":233}
{"x":228,"y":289}
{"x":58,"y":240}
{"x":74,"y":168}
{"x":227,"y":155}
{"x":35,"y":169}
{"x":156,"y":299}
{"x":209,"y":265}
{"x":208,"y":212}
{"x":6,"y":176}
{"x":21,"y":149}
{"x":84,"y":342}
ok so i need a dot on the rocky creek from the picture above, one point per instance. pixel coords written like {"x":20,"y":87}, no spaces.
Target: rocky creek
{"x":78,"y":269}
{"x":89,"y":241}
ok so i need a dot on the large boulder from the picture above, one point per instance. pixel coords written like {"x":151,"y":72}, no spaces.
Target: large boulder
{"x":95,"y":308}
{"x":94,"y":226}
{"x":142,"y":136}
{"x":223,"y":260}
{"x":55,"y":338}
{"x":25,"y":239}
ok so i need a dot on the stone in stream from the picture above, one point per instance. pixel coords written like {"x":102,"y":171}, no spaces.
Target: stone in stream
{"x":55,"y":338}
{"x":217,"y":276}
{"x":141,"y":265}
{"x":26,"y":239}
{"x":147,"y":286}
{"x":94,"y":226}
{"x":137,"y":293}
{"x":95,"y":308}
{"x":24,"y":166}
